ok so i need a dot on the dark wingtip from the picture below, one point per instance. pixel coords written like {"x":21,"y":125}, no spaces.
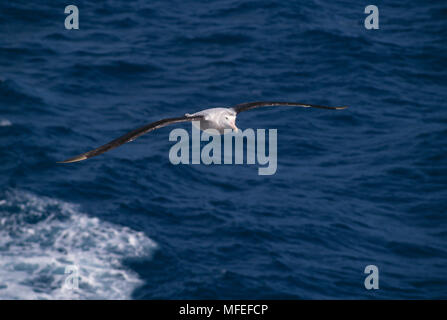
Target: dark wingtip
{"x":74,"y":159}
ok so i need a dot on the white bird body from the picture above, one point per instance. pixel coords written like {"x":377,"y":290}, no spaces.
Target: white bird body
{"x":216,"y":118}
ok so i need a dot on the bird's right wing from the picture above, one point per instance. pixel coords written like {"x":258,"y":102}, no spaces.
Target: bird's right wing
{"x":131,"y":136}
{"x":252,"y":105}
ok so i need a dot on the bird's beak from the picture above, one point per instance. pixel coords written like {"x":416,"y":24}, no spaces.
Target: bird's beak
{"x":233,"y":126}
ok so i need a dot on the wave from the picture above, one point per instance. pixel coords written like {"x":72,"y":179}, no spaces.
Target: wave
{"x":5,"y":123}
{"x":41,"y":237}
{"x":14,"y":94}
{"x":228,"y":39}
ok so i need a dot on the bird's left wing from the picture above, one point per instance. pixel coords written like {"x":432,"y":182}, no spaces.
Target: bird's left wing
{"x":131,"y":136}
{"x":252,"y":105}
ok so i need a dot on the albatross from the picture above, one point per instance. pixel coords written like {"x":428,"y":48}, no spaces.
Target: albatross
{"x":214,"y":118}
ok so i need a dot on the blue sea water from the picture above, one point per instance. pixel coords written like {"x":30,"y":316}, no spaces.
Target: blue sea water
{"x":357,"y":187}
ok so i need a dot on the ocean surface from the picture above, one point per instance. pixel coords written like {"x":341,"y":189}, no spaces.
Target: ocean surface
{"x":356,"y":187}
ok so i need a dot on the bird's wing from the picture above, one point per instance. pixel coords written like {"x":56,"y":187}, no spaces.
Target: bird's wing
{"x":131,"y":136}
{"x":252,"y":105}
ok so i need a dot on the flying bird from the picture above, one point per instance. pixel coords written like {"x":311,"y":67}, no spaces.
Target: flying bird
{"x":214,"y":118}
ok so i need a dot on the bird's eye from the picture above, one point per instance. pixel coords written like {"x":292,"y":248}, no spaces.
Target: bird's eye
{"x":226,"y":117}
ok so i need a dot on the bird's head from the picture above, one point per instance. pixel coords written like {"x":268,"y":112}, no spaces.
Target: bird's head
{"x":228,"y":120}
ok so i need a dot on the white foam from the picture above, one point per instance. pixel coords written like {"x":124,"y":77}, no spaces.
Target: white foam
{"x":5,"y":123}
{"x":40,"y":237}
